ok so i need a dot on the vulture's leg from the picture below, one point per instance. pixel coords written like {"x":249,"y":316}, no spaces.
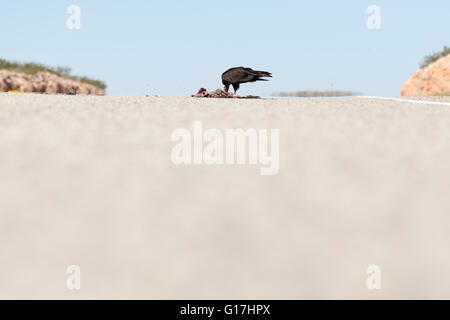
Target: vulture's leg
{"x":226,"y":90}
{"x":236,"y":88}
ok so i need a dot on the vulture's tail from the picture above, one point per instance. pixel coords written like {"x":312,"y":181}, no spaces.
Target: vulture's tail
{"x":262,"y":74}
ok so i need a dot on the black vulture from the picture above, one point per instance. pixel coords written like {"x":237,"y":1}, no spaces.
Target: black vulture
{"x":238,"y":75}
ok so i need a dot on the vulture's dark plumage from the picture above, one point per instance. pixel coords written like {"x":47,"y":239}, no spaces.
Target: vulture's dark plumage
{"x":236,"y":76}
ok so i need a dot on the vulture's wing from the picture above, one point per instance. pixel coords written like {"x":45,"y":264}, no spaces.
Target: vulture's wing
{"x":235,"y":75}
{"x":242,"y":75}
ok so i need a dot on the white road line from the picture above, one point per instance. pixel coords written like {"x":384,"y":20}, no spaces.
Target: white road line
{"x":408,"y":100}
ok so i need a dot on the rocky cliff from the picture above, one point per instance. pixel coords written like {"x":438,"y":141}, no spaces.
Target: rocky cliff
{"x":429,"y":81}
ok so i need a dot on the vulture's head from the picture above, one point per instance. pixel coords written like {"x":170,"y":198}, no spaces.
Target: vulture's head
{"x":227,"y":85}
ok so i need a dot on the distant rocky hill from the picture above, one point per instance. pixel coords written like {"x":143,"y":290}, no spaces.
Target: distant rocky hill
{"x":35,"y":77}
{"x":307,"y":94}
{"x":432,"y":80}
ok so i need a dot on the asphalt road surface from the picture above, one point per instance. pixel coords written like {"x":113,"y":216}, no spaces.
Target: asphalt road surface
{"x":89,"y":181}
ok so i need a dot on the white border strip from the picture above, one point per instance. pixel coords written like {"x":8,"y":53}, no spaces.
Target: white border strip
{"x":408,"y":100}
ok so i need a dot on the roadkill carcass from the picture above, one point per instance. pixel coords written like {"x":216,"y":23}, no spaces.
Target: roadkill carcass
{"x":219,"y":93}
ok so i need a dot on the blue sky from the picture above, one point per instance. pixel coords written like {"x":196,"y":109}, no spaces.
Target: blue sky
{"x":173,"y":47}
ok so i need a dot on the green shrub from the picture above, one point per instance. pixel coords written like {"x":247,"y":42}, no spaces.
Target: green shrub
{"x":434,"y":57}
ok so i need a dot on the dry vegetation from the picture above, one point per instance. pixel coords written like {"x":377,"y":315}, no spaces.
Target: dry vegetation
{"x":435,"y":56}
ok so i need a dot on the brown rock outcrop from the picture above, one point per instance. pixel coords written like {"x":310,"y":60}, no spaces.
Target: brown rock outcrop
{"x":429,"y":81}
{"x":44,"y":82}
